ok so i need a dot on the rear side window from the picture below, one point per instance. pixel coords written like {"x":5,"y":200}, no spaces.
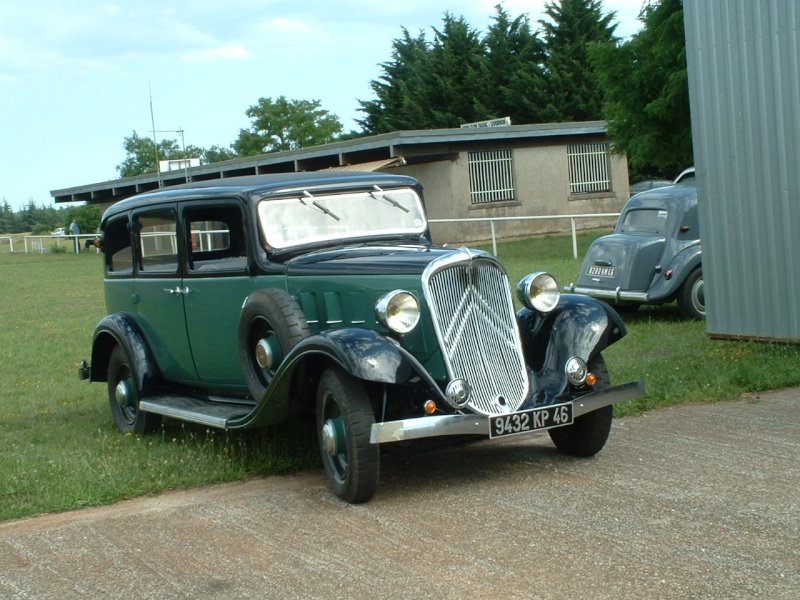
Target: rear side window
{"x":117,"y":247}
{"x":216,"y":239}
{"x":158,"y":243}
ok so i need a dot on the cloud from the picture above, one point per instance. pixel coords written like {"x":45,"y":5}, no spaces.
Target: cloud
{"x":233,"y":52}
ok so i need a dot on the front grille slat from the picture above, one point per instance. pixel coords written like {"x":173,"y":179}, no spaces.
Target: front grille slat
{"x":470,"y":302}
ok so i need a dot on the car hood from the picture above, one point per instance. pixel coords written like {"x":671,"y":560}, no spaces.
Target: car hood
{"x":366,"y":260}
{"x":622,"y":261}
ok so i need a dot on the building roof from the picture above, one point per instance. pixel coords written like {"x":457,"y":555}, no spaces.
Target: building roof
{"x":401,"y":147}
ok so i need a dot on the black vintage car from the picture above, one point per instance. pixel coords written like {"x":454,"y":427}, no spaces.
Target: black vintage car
{"x":248,"y":301}
{"x":654,"y":254}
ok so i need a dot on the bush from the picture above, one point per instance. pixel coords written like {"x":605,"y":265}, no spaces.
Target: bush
{"x":58,"y":249}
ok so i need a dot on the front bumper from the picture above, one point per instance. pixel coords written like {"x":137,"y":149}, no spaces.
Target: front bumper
{"x":616,"y":295}
{"x":472,"y":424}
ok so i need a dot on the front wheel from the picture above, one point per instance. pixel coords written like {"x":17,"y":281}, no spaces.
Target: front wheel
{"x":124,"y":394}
{"x":344,"y":422}
{"x":589,"y":433}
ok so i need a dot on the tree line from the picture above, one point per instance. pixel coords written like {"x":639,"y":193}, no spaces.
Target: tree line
{"x":569,"y":66}
{"x":43,"y":220}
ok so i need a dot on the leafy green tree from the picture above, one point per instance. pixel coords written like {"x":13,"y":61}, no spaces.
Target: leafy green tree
{"x":7,"y":218}
{"x":401,"y":90}
{"x":433,"y":85}
{"x":286,"y":125}
{"x":141,"y":154}
{"x":515,"y":56}
{"x":459,"y":80}
{"x":647,"y":93}
{"x":573,"y":88}
{"x":216,"y":154}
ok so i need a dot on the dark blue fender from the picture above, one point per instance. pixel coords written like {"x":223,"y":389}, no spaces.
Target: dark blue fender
{"x":364,"y":354}
{"x":579,"y":326}
{"x":119,"y":329}
{"x":681,"y":265}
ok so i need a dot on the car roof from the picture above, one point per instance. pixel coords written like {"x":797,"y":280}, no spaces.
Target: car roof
{"x":671,"y":197}
{"x":260,"y":186}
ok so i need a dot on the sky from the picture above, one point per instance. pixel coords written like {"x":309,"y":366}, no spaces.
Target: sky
{"x":78,"y":76}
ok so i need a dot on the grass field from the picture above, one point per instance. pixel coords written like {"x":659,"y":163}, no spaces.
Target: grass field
{"x":59,"y":448}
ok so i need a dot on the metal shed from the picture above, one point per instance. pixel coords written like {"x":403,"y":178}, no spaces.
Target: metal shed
{"x":744,"y":83}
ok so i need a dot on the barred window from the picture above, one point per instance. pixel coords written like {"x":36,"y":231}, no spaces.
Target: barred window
{"x":491,"y":176}
{"x":588,"y":168}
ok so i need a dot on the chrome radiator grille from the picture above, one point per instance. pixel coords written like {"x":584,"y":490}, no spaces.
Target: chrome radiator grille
{"x":470,"y":302}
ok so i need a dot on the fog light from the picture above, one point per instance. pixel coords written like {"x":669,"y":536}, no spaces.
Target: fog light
{"x":576,"y":370}
{"x":457,"y":393}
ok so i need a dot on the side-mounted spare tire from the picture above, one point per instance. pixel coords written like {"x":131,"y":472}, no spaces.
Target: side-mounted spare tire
{"x":270,"y":326}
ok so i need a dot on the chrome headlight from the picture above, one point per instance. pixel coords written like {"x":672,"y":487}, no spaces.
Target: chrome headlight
{"x":398,"y":310}
{"x":539,"y":292}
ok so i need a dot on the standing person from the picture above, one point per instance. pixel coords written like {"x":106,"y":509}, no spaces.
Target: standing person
{"x":75,"y":231}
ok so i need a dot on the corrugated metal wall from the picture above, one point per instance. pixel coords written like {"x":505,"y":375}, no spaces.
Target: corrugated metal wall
{"x":744,"y":83}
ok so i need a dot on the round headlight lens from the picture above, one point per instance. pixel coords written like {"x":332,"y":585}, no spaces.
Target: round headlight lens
{"x":539,"y":292}
{"x":398,"y":310}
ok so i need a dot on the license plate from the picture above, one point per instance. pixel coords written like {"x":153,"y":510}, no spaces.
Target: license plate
{"x":601,"y":271}
{"x":536,"y":419}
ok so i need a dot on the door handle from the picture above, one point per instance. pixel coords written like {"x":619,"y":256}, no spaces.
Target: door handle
{"x":178,"y":291}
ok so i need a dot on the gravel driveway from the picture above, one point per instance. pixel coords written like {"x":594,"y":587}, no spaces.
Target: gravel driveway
{"x":689,"y":502}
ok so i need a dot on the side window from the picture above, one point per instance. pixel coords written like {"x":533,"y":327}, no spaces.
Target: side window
{"x":216,"y":239}
{"x":117,"y":247}
{"x":158,"y":244}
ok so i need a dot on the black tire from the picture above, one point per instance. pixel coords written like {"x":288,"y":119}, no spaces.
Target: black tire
{"x":270,"y":317}
{"x":589,"y":433}
{"x":352,"y":463}
{"x":691,"y":298}
{"x":124,"y":395}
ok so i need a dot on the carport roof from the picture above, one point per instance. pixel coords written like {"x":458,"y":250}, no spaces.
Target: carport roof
{"x":410,"y":146}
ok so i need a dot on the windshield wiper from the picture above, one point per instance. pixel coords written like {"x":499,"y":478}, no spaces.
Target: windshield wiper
{"x":384,"y":196}
{"x":318,"y":205}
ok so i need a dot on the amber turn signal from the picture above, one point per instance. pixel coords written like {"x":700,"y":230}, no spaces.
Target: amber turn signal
{"x":430,"y":407}
{"x":591,"y":379}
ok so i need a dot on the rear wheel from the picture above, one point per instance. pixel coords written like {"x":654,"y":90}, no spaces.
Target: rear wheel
{"x":691,"y":298}
{"x":124,"y":395}
{"x":344,"y":422}
{"x":589,"y":433}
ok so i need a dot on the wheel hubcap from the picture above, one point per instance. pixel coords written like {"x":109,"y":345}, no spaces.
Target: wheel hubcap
{"x":333,"y":437}
{"x":122,"y":393}
{"x":268,"y":352}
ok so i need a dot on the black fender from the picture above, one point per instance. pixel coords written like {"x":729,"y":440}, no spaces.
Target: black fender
{"x":120,"y":329}
{"x":363,"y":353}
{"x":579,"y":326}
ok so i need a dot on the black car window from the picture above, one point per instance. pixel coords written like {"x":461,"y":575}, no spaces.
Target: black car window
{"x":158,"y":245}
{"x":644,"y":220}
{"x":117,"y":247}
{"x":216,"y":239}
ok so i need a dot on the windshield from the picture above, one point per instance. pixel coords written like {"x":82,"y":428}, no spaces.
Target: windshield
{"x":644,"y":220}
{"x":306,"y":218}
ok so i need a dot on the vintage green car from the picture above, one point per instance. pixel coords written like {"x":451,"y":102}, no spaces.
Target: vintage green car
{"x":243,"y":302}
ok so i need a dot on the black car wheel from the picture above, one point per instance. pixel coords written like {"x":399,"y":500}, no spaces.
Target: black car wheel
{"x":124,"y":394}
{"x":344,"y":421}
{"x":589,"y":433}
{"x":271,"y":324}
{"x":691,"y":299}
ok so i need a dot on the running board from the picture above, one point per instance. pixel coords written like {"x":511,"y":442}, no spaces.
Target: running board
{"x":196,"y":410}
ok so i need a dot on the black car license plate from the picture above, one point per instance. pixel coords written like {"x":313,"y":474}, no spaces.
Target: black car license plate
{"x":601,"y":271}
{"x":526,"y":421}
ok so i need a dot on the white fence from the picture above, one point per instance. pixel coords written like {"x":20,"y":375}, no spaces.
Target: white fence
{"x":493,"y":220}
{"x":36,"y":243}
{"x":10,"y":241}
